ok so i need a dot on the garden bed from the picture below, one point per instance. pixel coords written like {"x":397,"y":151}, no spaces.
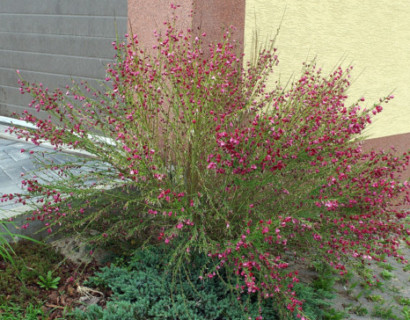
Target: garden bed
{"x":23,"y":297}
{"x":326,"y":295}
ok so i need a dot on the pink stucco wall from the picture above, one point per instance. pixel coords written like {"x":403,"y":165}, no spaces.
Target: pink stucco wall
{"x":210,"y":16}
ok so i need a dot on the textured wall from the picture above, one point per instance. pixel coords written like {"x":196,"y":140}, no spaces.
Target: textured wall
{"x":210,"y":16}
{"x":53,"y":41}
{"x":215,"y":16}
{"x":374,"y":36}
{"x":147,"y":16}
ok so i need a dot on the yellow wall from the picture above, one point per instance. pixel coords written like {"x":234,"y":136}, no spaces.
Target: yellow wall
{"x":372,"y":35}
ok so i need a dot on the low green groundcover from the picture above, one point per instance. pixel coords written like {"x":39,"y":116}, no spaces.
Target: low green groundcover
{"x":146,"y":287}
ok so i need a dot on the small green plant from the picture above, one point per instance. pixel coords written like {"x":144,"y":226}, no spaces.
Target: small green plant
{"x":402,"y":300}
{"x":48,"y":282}
{"x":386,"y":266}
{"x":316,"y":301}
{"x":386,"y":275}
{"x":376,"y":298}
{"x":346,"y":278}
{"x":359,"y":310}
{"x":11,"y":311}
{"x":351,"y":287}
{"x":366,"y":291}
{"x":395,"y":289}
{"x":406,"y":313}
{"x":384,"y":312}
{"x":18,"y":282}
{"x":326,"y":277}
{"x":333,"y":314}
{"x":6,"y":251}
{"x":33,"y":312}
{"x":380,"y":285}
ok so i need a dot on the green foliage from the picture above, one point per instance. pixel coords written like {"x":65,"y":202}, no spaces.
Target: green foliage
{"x":185,"y":142}
{"x":402,"y":300}
{"x":147,"y":287}
{"x":326,"y":277}
{"x":11,"y":311}
{"x":376,"y":298}
{"x":384,"y":312}
{"x":406,"y":313}
{"x":359,"y":310}
{"x":316,"y":301}
{"x":6,"y":251}
{"x":386,"y":275}
{"x":386,"y":266}
{"x":48,"y":281}
{"x":18,"y":281}
{"x":333,"y":314}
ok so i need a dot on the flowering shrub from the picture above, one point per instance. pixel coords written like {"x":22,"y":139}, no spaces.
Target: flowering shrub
{"x":187,"y":143}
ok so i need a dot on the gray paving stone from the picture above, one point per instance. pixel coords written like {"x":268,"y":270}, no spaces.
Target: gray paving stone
{"x":17,"y":146}
{"x":13,"y":162}
{"x":12,"y":188}
{"x":17,"y":155}
{"x":44,"y":176}
{"x":14,"y":173}
{"x":4,"y":179}
{"x":29,"y":166}
{"x":5,"y":143}
{"x":4,"y":155}
{"x":8,"y":165}
{"x":8,"y":186}
{"x":61,"y":158}
{"x":42,"y":149}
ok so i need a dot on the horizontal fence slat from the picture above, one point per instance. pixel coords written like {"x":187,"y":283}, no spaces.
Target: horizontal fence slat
{"x":57,"y":44}
{"x":116,"y":8}
{"x":9,"y":78}
{"x":63,"y":65}
{"x":76,"y":26}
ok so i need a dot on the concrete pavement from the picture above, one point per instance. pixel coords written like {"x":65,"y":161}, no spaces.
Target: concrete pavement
{"x":13,"y":163}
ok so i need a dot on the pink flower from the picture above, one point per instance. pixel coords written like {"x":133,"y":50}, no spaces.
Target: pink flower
{"x":212,"y":165}
{"x":317,"y":237}
{"x":331,"y":205}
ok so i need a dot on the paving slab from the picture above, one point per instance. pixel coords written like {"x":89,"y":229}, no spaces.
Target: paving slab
{"x":14,"y":163}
